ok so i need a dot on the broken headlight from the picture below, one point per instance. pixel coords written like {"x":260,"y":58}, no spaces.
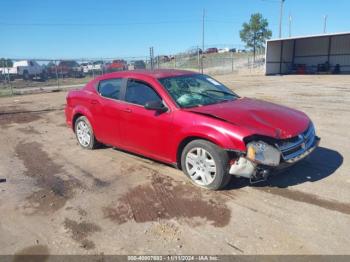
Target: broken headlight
{"x":263,"y":153}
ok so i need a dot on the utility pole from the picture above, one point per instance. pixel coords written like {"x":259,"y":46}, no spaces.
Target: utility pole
{"x":290,"y":25}
{"x":8,"y":75}
{"x":57,"y":77}
{"x":203,"y":30}
{"x":281,"y":17}
{"x":254,"y":48}
{"x":151,"y":56}
{"x":325,"y":24}
{"x":198,"y":59}
{"x":232,"y":65}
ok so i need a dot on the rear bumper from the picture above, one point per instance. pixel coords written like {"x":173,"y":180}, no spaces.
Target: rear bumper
{"x":244,"y":167}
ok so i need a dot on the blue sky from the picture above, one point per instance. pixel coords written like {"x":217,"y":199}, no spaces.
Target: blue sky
{"x":115,"y":28}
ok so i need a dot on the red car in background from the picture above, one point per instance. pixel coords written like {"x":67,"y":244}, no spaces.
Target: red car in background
{"x":191,"y":121}
{"x":117,"y":65}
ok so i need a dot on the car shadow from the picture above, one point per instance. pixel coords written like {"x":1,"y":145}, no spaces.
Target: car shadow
{"x":320,"y":164}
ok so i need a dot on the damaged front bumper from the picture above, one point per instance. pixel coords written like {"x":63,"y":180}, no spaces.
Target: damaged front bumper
{"x":243,"y":167}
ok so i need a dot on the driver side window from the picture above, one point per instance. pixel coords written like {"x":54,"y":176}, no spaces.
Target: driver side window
{"x":138,"y":92}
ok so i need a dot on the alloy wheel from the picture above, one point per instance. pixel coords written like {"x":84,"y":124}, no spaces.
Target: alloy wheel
{"x":200,"y":166}
{"x":83,"y":133}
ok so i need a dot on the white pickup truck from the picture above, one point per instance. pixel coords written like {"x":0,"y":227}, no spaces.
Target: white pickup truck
{"x":25,"y":69}
{"x":92,"y":67}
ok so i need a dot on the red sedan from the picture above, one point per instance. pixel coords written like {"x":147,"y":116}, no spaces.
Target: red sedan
{"x":117,"y":65}
{"x":191,"y":121}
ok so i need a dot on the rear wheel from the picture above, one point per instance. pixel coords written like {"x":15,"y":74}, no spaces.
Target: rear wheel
{"x":84,"y":133}
{"x":205,"y":164}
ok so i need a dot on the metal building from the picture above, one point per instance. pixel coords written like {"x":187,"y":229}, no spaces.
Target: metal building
{"x":326,"y":54}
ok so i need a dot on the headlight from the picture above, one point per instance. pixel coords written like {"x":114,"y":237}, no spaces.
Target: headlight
{"x":263,"y":153}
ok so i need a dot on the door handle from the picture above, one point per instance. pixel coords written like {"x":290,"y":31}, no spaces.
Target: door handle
{"x":94,"y":102}
{"x":127,"y":110}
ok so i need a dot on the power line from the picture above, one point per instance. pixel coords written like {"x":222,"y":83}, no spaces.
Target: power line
{"x":97,"y":24}
{"x":117,"y":24}
{"x":214,"y":20}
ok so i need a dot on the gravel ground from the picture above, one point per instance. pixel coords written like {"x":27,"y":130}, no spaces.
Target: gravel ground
{"x":61,"y":199}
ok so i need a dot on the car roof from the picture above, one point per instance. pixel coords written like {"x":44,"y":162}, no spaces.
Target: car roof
{"x":157,"y":73}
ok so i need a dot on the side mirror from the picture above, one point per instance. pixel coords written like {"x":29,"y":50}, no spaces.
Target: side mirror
{"x":156,"y":105}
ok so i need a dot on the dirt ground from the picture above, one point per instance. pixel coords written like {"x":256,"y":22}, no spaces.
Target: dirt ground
{"x":61,"y":199}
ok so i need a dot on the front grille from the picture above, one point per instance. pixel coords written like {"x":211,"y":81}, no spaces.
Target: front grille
{"x":293,"y":147}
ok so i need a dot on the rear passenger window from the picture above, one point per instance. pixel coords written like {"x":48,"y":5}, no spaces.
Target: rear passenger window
{"x":110,"y":88}
{"x":139,"y":93}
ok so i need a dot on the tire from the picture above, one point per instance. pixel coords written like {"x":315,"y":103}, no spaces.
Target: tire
{"x":205,"y":164}
{"x":82,"y":127}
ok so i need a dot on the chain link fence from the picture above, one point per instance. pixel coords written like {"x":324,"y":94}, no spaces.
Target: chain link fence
{"x":216,"y":63}
{"x":21,"y":76}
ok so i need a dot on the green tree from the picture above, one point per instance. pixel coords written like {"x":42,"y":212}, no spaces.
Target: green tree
{"x":5,"y":62}
{"x":256,"y":32}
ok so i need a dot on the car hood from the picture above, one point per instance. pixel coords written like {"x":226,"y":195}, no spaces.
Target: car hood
{"x":260,"y":117}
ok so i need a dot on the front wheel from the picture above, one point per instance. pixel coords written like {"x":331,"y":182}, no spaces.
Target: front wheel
{"x":205,"y":164}
{"x":84,"y":133}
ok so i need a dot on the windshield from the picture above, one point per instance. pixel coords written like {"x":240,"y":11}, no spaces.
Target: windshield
{"x":196,"y":90}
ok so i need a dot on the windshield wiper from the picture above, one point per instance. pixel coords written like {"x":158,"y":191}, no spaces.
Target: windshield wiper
{"x":220,"y":91}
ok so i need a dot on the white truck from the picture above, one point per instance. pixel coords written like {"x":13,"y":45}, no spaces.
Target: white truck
{"x":5,"y":73}
{"x":97,"y":66}
{"x":25,"y":69}
{"x":92,"y":67}
{"x":86,"y":67}
{"x":223,"y":50}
